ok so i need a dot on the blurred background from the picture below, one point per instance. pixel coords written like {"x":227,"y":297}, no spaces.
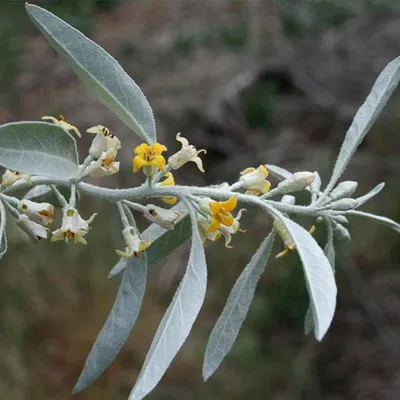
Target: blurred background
{"x":253,"y":82}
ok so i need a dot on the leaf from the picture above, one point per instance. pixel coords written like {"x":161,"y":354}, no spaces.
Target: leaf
{"x":100,"y":72}
{"x":230,"y":321}
{"x":164,"y":242}
{"x":3,"y":237}
{"x":372,"y":193}
{"x":366,"y":115}
{"x":329,"y":251}
{"x":383,"y":220}
{"x":44,"y":194}
{"x":178,"y":319}
{"x":38,"y":148}
{"x":278,"y":172}
{"x":319,"y":277}
{"x":119,"y":323}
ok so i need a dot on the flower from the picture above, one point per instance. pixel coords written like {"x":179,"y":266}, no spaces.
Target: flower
{"x":169,"y":181}
{"x":73,"y":227}
{"x":134,"y":245}
{"x":286,"y":237}
{"x":63,"y":123}
{"x":225,"y":231}
{"x":149,"y":156}
{"x":187,"y":153}
{"x":105,"y":165}
{"x":160,"y":216}
{"x":220,"y":213}
{"x":35,"y":231}
{"x":254,"y":180}
{"x":9,"y":177}
{"x":103,"y":141}
{"x":40,"y":212}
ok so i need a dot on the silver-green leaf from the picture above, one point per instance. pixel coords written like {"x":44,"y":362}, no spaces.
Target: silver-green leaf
{"x":119,"y":323}
{"x":230,"y":321}
{"x":278,"y":172}
{"x":383,"y":88}
{"x":38,"y":148}
{"x":383,"y":220}
{"x":178,"y":319}
{"x":372,"y":193}
{"x":319,"y":277}
{"x":164,"y":242}
{"x":100,"y":72}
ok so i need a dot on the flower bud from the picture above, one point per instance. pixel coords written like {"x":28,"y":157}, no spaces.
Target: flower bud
{"x":9,"y":177}
{"x":288,"y":199}
{"x":161,"y":216}
{"x":298,"y":181}
{"x":341,"y":219}
{"x":340,"y":232}
{"x":343,"y":204}
{"x":343,"y":190}
{"x":35,"y":231}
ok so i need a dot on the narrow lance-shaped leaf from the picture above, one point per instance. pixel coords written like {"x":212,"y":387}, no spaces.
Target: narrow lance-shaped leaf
{"x":3,"y":237}
{"x":38,"y":148}
{"x":119,"y":323}
{"x":366,"y":115}
{"x":230,"y":321}
{"x":372,"y":193}
{"x":164,"y":242}
{"x":100,"y":72}
{"x":178,"y":319}
{"x":383,"y":220}
{"x":278,"y":172}
{"x":319,"y":277}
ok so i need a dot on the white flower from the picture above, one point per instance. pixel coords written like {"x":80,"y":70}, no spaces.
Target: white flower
{"x":35,"y":231}
{"x":187,"y":153}
{"x":63,"y":123}
{"x":9,"y":177}
{"x":40,"y":212}
{"x":161,"y":216}
{"x":105,"y":165}
{"x":103,"y":141}
{"x":254,"y":180}
{"x":134,"y":245}
{"x":73,"y":227}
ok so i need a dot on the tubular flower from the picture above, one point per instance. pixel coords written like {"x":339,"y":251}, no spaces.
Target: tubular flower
{"x":161,"y":216}
{"x":40,"y":212}
{"x":73,"y":227}
{"x":35,"y":231}
{"x":103,"y":141}
{"x":205,"y":235}
{"x":220,"y":213}
{"x":254,"y":180}
{"x":187,"y":153}
{"x":105,"y":165}
{"x":287,"y":238}
{"x":9,"y":177}
{"x":169,"y":181}
{"x":134,"y":245}
{"x":149,"y":156}
{"x":63,"y":123}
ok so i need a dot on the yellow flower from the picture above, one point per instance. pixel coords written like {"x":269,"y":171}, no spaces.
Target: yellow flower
{"x":169,"y":181}
{"x":220,"y":213}
{"x":9,"y":177}
{"x":73,"y":227}
{"x":187,"y":153}
{"x":134,"y":245}
{"x":63,"y":123}
{"x":254,"y":180}
{"x":149,"y":156}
